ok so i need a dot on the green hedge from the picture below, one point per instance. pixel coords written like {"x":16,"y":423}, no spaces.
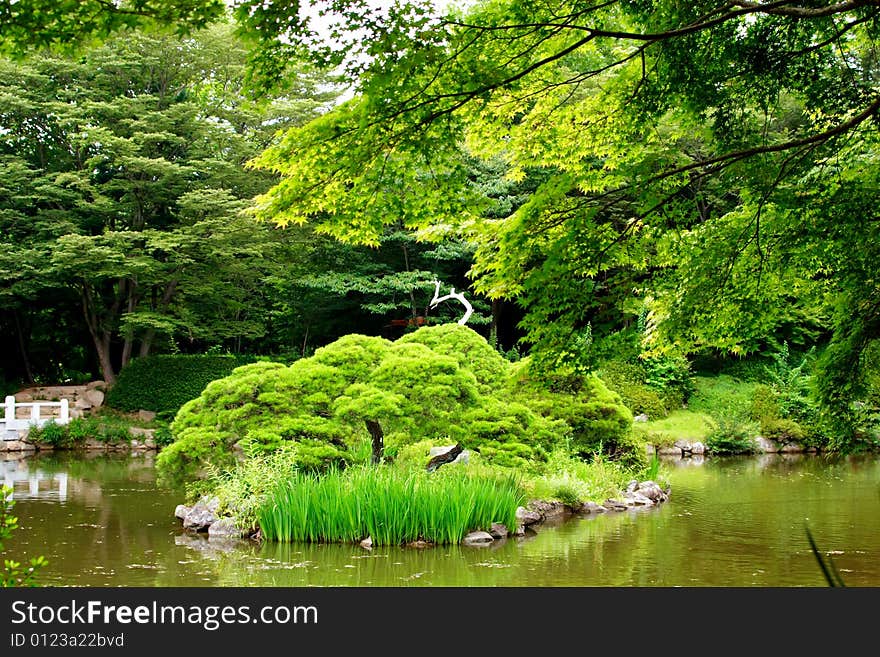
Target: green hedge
{"x":164,"y":383}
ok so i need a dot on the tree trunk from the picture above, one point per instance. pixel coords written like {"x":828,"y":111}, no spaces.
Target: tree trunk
{"x":102,"y":345}
{"x":378,"y":440}
{"x":101,"y":338}
{"x":147,"y":343}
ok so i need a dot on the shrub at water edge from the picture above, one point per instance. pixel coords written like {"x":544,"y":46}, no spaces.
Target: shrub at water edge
{"x":394,"y":394}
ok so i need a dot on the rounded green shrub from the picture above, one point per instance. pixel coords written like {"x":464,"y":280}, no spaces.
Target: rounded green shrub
{"x":444,"y":384}
{"x":468,"y":348}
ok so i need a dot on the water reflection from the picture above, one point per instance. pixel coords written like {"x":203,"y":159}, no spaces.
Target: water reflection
{"x":102,"y":521}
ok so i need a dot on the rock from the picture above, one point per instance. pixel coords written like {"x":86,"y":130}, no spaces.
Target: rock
{"x":526,"y":517}
{"x":419,"y":544}
{"x":94,"y":397}
{"x":10,"y":445}
{"x":367,"y":543}
{"x":149,"y":443}
{"x":792,"y":448}
{"x":146,"y":416}
{"x":698,"y":448}
{"x":683,"y":445}
{"x":224,"y":528}
{"x":202,"y":515}
{"x":520,"y":530}
{"x":615,"y":505}
{"x":631,"y":486}
{"x":96,"y":384}
{"x":141,"y":433}
{"x":548,"y":510}
{"x":765,"y":445}
{"x":75,"y":413}
{"x":637,"y":499}
{"x":641,"y":417}
{"x":181,"y":510}
{"x":592,"y":507}
{"x":478,"y":539}
{"x":650,"y":450}
{"x":81,"y":405}
{"x":669,"y":450}
{"x":652,"y":491}
{"x":498,"y":530}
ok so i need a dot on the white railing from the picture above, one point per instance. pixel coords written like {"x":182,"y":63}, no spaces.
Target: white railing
{"x":13,"y":423}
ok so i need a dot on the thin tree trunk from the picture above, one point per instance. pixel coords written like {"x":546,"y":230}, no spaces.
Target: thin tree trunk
{"x":100,"y":338}
{"x":412,"y":296}
{"x":378,"y":440}
{"x":147,"y":343}
{"x":104,"y":360}
{"x":23,"y":349}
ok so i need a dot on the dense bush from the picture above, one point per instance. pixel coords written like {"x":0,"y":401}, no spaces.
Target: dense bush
{"x":421,"y":387}
{"x":628,"y":381}
{"x":732,"y":436}
{"x":164,"y":383}
{"x":597,"y":419}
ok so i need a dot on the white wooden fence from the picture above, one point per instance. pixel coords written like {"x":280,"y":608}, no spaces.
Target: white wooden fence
{"x":11,"y":422}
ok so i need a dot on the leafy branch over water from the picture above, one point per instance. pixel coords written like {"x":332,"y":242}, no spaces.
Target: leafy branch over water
{"x":12,"y":573}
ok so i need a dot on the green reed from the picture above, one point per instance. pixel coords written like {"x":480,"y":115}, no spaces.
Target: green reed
{"x":390,"y":505}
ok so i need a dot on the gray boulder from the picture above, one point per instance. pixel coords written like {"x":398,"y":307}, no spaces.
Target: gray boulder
{"x":652,"y":491}
{"x":669,"y":450}
{"x":224,"y":528}
{"x":683,"y":445}
{"x":792,"y":448}
{"x":698,"y":448}
{"x":641,"y":417}
{"x":592,"y":507}
{"x":202,"y":514}
{"x":615,"y":505}
{"x":94,"y":397}
{"x":526,"y":517}
{"x":766,"y":445}
{"x":498,"y":530}
{"x":478,"y":539}
{"x":637,"y":499}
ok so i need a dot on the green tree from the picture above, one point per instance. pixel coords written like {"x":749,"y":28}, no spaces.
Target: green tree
{"x":126,"y":178}
{"x":716,"y":159}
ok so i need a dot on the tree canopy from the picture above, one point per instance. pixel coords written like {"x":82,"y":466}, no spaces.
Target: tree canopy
{"x":714,"y":161}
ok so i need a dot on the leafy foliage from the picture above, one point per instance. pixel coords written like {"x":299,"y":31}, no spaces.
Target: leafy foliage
{"x":414,"y":389}
{"x":13,"y":573}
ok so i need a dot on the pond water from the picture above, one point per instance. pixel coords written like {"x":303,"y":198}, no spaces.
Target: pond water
{"x":101,"y":520}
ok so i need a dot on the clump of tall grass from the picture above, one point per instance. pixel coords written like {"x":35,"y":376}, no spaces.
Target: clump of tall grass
{"x":391,"y":506}
{"x":571,"y":480}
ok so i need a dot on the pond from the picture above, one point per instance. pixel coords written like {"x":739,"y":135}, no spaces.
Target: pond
{"x":101,"y":520}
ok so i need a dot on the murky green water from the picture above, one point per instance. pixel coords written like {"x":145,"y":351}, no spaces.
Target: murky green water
{"x":101,"y":521}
